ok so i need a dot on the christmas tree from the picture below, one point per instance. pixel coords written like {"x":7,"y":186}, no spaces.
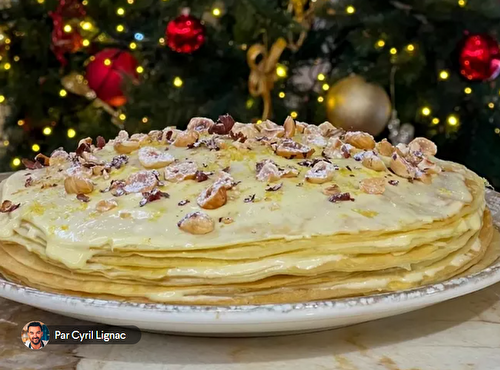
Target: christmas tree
{"x":71,"y":69}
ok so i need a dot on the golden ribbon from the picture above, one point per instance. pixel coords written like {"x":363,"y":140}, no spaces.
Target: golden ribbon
{"x":304,"y":17}
{"x":263,"y":73}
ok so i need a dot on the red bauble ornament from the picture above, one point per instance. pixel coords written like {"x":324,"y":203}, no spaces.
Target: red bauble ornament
{"x":480,"y":58}
{"x":185,"y":34}
{"x":106,"y":72}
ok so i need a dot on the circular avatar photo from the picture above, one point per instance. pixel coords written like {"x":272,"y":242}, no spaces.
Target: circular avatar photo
{"x":35,"y":335}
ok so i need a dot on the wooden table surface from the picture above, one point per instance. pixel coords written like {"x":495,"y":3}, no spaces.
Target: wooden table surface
{"x":461,"y":334}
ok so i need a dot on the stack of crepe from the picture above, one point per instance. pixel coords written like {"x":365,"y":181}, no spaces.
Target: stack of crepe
{"x":232,"y":213}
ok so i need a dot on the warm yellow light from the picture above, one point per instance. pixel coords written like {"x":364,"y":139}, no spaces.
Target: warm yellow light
{"x":320,"y":99}
{"x":380,"y":43}
{"x":461,"y":3}
{"x":281,"y":94}
{"x":85,"y":2}
{"x":410,"y":47}
{"x":87,"y":26}
{"x":6,"y":66}
{"x":393,"y":51}
{"x":67,"y":28}
{"x":452,"y":120}
{"x":259,"y":121}
{"x":293,"y":114}
{"x":71,"y":133}
{"x":92,"y":58}
{"x":497,"y":130}
{"x":16,"y":58}
{"x":120,"y":28}
{"x":63,"y":93}
{"x":20,"y":122}
{"x":145,"y":119}
{"x":16,"y":162}
{"x":130,"y":2}
{"x":120,"y":11}
{"x":122,"y":117}
{"x":35,"y":147}
{"x":107,"y":62}
{"x":350,"y":9}
{"x":244,"y":46}
{"x":139,"y":69}
{"x":2,"y":98}
{"x":216,"y":12}
{"x":325,"y":87}
{"x":85,"y":42}
{"x":426,"y":111}
{"x":321,"y":77}
{"x":281,"y":70}
{"x":178,"y":82}
{"x":467,"y":90}
{"x":491,"y":105}
{"x":133,"y":45}
{"x":7,"y":41}
{"x":6,"y":143}
{"x":444,"y":75}
{"x":161,"y":40}
{"x":40,"y":1}
{"x":47,"y":130}
{"x":435,"y":121}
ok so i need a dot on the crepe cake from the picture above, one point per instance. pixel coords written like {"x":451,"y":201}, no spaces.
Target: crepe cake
{"x":239,"y":213}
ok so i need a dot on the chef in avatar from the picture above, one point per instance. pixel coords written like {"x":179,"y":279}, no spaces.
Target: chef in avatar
{"x":35,"y":334}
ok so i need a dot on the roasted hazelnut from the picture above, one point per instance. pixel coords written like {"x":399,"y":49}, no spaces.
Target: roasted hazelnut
{"x":333,"y":148}
{"x":331,"y":190}
{"x":373,"y":162}
{"x":78,"y":185}
{"x":142,"y":139}
{"x":213,"y":197}
{"x":300,"y":126}
{"x":126,"y":146}
{"x":197,"y":223}
{"x":141,"y":182}
{"x":384,"y":148}
{"x":151,"y":157}
{"x":200,"y":125}
{"x":315,"y":139}
{"x":270,"y":129}
{"x":289,"y":149}
{"x":401,"y":166}
{"x":268,"y":172}
{"x":244,"y":130}
{"x":326,"y":128}
{"x":375,"y":185}
{"x":86,"y":141}
{"x":421,"y":144}
{"x":289,"y":126}
{"x":177,"y":172}
{"x":360,"y":140}
{"x":186,"y":138}
{"x":429,"y":167}
{"x":321,"y":172}
{"x":58,"y":157}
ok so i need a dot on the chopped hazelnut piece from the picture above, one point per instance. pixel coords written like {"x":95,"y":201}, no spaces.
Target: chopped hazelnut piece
{"x":177,"y":172}
{"x":429,"y":167}
{"x":373,"y":162}
{"x":243,"y":131}
{"x":402,"y":150}
{"x":58,"y":157}
{"x":106,"y":205}
{"x":186,"y":138}
{"x":300,"y":126}
{"x":375,"y":185}
{"x":270,"y":129}
{"x":333,"y":148}
{"x":331,"y":190}
{"x":126,"y":146}
{"x":421,"y":144}
{"x":289,"y":149}
{"x":213,"y":197}
{"x":320,"y":173}
{"x":360,"y":140}
{"x":327,"y":129}
{"x":226,"y":220}
{"x":153,"y":158}
{"x":141,"y":182}
{"x":43,"y":159}
{"x":289,"y":126}
{"x":78,"y":185}
{"x":142,"y":139}
{"x":401,"y":166}
{"x":197,"y":223}
{"x":7,"y":206}
{"x":315,"y":139}
{"x":87,"y":141}
{"x":423,"y":177}
{"x":223,"y":125}
{"x":384,"y":148}
{"x":268,"y":171}
{"x":200,"y":124}
{"x":312,"y":130}
{"x":342,"y":197}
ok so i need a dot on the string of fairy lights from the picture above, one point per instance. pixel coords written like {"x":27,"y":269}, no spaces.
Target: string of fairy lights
{"x":281,"y":71}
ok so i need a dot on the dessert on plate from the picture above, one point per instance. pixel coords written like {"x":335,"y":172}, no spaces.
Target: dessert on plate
{"x":227,"y":213}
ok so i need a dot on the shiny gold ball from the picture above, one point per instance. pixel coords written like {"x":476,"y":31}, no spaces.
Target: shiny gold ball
{"x":354,"y":104}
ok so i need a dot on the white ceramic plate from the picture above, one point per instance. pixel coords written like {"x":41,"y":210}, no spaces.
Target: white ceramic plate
{"x":257,"y":319}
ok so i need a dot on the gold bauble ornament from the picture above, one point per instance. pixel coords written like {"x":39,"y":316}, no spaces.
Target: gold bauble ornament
{"x":354,"y":104}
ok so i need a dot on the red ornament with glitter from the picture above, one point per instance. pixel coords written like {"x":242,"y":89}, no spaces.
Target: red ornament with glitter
{"x":106,"y":74}
{"x":480,"y":58}
{"x":66,"y":42}
{"x":185,"y":34}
